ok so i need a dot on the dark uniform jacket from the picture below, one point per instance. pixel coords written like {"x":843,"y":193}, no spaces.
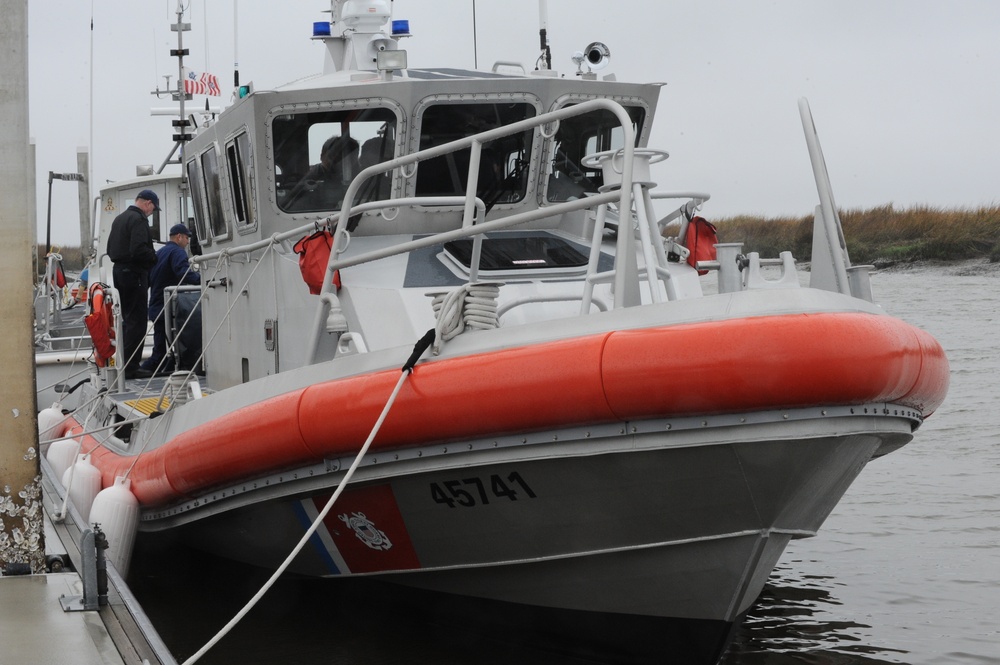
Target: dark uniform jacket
{"x":171,"y":264}
{"x":130,"y":244}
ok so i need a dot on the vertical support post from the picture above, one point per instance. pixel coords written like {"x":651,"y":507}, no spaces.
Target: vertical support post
{"x":727,"y":254}
{"x":48,"y":220}
{"x":830,"y":258}
{"x":90,"y":600}
{"x":86,"y":228}
{"x":21,"y":537}
{"x":32,"y":210}
{"x":471,"y":189}
{"x":626,"y":283}
{"x":594,"y":260}
{"x":646,"y":240}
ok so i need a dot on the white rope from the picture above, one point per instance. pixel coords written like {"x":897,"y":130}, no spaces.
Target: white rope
{"x":470,"y":305}
{"x":309,"y":532}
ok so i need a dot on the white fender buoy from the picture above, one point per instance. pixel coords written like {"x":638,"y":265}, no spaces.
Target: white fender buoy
{"x":52,"y":423}
{"x":82,"y":481}
{"x":61,"y":455}
{"x":117,"y":511}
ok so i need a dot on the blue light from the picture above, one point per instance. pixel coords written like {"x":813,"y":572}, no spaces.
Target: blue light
{"x":321,"y":29}
{"x":401,"y":27}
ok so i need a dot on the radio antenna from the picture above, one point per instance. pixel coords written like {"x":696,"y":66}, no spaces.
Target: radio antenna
{"x":475,"y":43}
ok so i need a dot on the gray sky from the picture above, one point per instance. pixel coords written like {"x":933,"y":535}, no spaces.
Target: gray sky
{"x":905,"y":94}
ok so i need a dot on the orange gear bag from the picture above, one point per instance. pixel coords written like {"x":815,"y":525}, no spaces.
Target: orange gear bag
{"x":314,"y":254}
{"x":700,"y":241}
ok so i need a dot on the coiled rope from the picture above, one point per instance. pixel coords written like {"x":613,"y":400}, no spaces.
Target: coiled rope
{"x":470,"y":305}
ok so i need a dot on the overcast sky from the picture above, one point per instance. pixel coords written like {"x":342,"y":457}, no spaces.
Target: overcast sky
{"x":905,"y":94}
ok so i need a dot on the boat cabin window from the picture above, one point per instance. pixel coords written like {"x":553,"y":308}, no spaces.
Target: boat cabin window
{"x":213,"y":193}
{"x":238,"y":156}
{"x":578,"y":137}
{"x":198,"y":205}
{"x":203,"y":179}
{"x":316,"y":155}
{"x":503,"y":165}
{"x":185,"y":204}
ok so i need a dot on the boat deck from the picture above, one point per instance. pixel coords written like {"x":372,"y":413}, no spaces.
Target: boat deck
{"x":142,"y":396}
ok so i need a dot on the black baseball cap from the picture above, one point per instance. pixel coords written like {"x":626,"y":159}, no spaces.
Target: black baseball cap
{"x":150,"y":196}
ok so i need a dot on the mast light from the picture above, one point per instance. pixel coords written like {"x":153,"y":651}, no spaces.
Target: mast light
{"x":401,"y":28}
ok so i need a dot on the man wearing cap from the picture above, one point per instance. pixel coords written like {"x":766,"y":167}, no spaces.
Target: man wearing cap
{"x":130,"y":248}
{"x":172,"y":269}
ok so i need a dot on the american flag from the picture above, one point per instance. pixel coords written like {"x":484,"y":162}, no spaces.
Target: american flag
{"x":201,"y":84}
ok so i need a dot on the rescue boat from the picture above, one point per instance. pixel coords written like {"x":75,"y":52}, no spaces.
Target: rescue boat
{"x":470,"y":322}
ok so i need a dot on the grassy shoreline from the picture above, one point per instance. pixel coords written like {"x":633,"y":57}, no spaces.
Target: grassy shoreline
{"x":882,"y":236}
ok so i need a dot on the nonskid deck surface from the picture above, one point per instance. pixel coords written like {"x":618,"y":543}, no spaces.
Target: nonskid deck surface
{"x":143,"y":396}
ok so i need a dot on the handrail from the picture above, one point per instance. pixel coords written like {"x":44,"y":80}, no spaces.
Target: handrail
{"x":382,"y":204}
{"x":624,"y":274}
{"x":626,"y":286}
{"x":465,"y":232}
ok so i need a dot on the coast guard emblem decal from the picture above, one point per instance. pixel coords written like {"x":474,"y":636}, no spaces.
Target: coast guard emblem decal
{"x":366,"y":532}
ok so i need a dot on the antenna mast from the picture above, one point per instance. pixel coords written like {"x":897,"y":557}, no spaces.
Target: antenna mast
{"x":543,"y":21}
{"x":181,"y":124}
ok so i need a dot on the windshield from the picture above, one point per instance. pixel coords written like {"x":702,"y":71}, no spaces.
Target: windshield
{"x":316,"y":155}
{"x":503,"y":164}
{"x":578,"y":137}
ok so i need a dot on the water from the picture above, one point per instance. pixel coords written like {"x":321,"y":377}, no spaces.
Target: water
{"x":905,"y":570}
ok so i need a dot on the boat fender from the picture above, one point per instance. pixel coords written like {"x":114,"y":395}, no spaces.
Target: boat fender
{"x":314,"y":254}
{"x":52,"y":422}
{"x":61,"y":455}
{"x":701,"y":240}
{"x":101,"y":325}
{"x":82,"y":481}
{"x":117,"y":511}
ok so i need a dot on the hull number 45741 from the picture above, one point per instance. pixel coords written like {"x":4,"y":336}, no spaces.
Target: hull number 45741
{"x":470,"y":492}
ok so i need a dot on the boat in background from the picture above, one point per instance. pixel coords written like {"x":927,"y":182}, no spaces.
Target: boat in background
{"x":616,"y":415}
{"x":62,"y":344}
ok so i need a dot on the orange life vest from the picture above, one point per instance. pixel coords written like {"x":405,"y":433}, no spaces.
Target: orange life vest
{"x":101,"y":324}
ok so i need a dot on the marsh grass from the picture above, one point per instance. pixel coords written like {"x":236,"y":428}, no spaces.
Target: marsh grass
{"x":881,"y":236}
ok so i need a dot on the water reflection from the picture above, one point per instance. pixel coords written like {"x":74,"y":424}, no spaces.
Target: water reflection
{"x":793,"y":623}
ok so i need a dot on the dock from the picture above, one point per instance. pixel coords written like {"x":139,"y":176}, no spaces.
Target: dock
{"x":35,"y":627}
{"x":68,"y":614}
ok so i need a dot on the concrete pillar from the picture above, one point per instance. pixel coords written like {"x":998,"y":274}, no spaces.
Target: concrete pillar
{"x":20,"y":499}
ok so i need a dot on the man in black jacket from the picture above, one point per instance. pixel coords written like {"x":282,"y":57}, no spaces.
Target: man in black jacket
{"x":130,"y":248}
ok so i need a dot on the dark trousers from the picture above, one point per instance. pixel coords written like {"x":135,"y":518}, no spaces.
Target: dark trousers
{"x":133,"y":292}
{"x":159,"y":347}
